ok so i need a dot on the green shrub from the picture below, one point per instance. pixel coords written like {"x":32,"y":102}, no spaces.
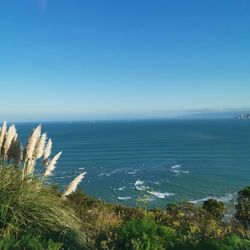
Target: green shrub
{"x":232,"y":242}
{"x":144,"y":234}
{"x":243,"y":207}
{"x":216,"y":208}
{"x":128,"y":213}
{"x":29,"y":242}
{"x":191,"y":223}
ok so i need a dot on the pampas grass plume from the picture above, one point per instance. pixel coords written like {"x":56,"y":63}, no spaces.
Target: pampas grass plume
{"x":39,"y":150}
{"x":2,"y":133}
{"x":32,"y":141}
{"x":52,"y":164}
{"x":47,"y":151}
{"x":73,"y":185}
{"x":18,"y":151}
{"x":10,"y":135}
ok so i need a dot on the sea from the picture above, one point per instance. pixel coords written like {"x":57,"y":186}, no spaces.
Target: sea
{"x":151,"y":162}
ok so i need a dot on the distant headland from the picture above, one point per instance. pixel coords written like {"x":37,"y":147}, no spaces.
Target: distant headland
{"x":243,"y":117}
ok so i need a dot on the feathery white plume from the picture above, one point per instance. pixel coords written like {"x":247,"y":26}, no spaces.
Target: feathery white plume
{"x":52,"y":164}
{"x":47,"y":150}
{"x":32,"y":141}
{"x":29,"y":168}
{"x":73,"y":185}
{"x":2,"y":133}
{"x":11,"y":149}
{"x":40,"y":146}
{"x":8,"y":138}
{"x":18,"y":151}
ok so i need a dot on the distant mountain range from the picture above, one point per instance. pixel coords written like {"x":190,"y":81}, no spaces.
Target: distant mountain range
{"x":218,"y":115}
{"x":243,"y":117}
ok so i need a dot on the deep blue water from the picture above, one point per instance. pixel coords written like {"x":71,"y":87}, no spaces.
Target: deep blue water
{"x":156,"y":161}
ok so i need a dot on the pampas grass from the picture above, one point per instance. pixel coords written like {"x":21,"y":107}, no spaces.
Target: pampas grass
{"x":52,"y":164}
{"x":36,"y":147}
{"x":47,"y":152}
{"x":29,"y":207}
{"x":28,"y":204}
{"x":73,"y":185}
{"x":39,"y":150}
{"x":10,"y":135}
{"x":2,"y":134}
{"x":15,"y":151}
{"x":31,"y":145}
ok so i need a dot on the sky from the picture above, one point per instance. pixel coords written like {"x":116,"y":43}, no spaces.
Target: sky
{"x":108,"y":59}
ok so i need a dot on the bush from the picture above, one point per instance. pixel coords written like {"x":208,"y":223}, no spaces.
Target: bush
{"x":129,"y":213}
{"x":27,"y":206}
{"x":27,"y":242}
{"x":191,"y":223}
{"x":243,"y":207}
{"x":232,"y":242}
{"x":144,"y":234}
{"x":216,"y":208}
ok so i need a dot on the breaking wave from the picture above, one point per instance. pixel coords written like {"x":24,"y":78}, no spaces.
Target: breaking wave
{"x":160,"y":195}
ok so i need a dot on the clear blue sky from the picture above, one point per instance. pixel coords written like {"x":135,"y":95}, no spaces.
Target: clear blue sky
{"x":81,"y":59}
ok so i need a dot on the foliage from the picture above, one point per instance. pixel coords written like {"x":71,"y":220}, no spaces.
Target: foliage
{"x":29,"y":242}
{"x":36,"y":215}
{"x":129,"y":213}
{"x":192,"y":224}
{"x":144,"y":234}
{"x":243,"y":207}
{"x":27,"y":206}
{"x":98,"y":218}
{"x":216,"y":208}
{"x":232,"y":242}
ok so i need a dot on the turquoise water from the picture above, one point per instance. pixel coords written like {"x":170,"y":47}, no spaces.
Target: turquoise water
{"x":156,"y":161}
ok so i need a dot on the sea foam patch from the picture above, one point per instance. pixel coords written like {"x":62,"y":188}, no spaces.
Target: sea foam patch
{"x":124,"y":198}
{"x":225,"y":198}
{"x":175,"y":166}
{"x":120,"y":188}
{"x":120,"y":171}
{"x":160,"y":195}
{"x":139,"y":185}
{"x":177,"y":169}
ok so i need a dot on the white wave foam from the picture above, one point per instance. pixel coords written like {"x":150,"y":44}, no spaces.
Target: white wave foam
{"x":139,"y":185}
{"x":176,"y":166}
{"x":120,"y":171}
{"x":139,"y":182}
{"x":81,"y":168}
{"x":123,"y":198}
{"x":133,"y":172}
{"x":121,"y":188}
{"x":177,"y":170}
{"x":159,"y":194}
{"x":225,"y":198}
{"x":181,"y":171}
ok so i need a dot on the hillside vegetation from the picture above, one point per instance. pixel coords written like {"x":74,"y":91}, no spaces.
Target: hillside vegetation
{"x":35,"y":214}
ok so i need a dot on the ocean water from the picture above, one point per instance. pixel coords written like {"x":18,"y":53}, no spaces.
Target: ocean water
{"x":152,"y":163}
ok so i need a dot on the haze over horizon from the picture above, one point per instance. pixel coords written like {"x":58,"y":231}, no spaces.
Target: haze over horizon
{"x":67,"y":60}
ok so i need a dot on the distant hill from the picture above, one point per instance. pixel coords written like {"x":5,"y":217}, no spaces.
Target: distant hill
{"x":243,"y":117}
{"x":216,"y":115}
